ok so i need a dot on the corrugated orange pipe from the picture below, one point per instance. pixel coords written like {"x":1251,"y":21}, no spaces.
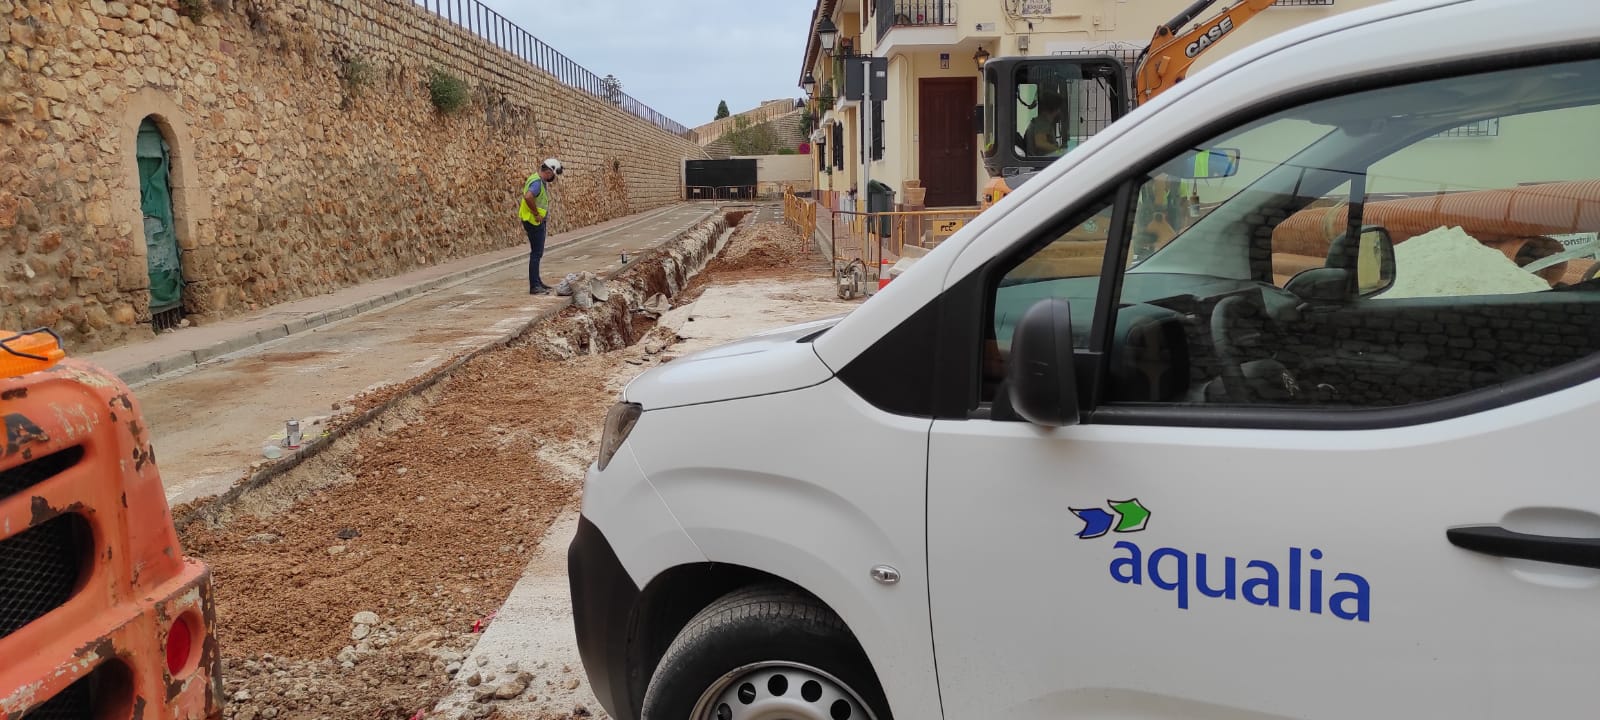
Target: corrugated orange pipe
{"x":1514,"y":221}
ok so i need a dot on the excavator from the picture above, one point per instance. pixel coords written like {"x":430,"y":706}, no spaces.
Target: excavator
{"x":1037,"y":108}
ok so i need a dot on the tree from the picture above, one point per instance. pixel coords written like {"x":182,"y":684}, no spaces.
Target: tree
{"x":722,"y":110}
{"x":613,"y":88}
{"x":747,"y":139}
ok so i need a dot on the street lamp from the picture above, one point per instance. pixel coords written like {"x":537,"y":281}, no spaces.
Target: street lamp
{"x":981,"y":57}
{"x":809,"y":83}
{"x":827,"y":33}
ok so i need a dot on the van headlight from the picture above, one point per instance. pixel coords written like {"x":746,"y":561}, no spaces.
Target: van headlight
{"x":620,"y":420}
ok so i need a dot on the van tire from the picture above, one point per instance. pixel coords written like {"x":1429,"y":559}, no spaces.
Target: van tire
{"x":762,"y":624}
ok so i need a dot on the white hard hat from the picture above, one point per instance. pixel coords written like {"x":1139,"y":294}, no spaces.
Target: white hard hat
{"x":554,"y":165}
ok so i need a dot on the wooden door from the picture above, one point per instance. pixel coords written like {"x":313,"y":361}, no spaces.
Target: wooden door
{"x":947,"y":146}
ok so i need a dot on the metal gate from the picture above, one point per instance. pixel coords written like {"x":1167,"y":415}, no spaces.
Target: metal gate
{"x":719,"y":179}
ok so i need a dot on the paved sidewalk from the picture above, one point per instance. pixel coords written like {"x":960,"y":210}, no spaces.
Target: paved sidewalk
{"x":211,"y":421}
{"x":140,"y":361}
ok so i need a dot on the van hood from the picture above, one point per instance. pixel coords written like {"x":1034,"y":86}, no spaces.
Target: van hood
{"x":768,"y":362}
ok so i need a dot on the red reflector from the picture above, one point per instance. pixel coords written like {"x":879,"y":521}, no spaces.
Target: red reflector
{"x":178,"y":644}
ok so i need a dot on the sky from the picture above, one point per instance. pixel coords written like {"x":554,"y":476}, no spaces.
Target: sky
{"x":678,"y":57}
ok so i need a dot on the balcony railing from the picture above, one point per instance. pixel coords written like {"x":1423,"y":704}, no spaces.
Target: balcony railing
{"x":912,"y":13}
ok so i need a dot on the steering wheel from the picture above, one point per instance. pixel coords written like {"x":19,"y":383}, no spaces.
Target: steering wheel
{"x":1235,"y":325}
{"x":1249,"y":370}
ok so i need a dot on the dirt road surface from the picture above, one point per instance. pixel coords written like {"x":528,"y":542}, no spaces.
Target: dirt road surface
{"x":353,"y":586}
{"x":245,"y":400}
{"x":760,"y":281}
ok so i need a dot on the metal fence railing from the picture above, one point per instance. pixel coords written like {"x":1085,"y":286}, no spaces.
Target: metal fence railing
{"x":719,"y":192}
{"x":893,"y":13}
{"x":495,"y":29}
{"x":1481,"y":128}
{"x":866,"y":245}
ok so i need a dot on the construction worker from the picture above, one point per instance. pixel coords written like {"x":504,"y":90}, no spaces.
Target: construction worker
{"x":1041,"y":137}
{"x":534,"y":210}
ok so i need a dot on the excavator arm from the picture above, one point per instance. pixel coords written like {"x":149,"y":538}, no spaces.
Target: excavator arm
{"x":1171,"y":51}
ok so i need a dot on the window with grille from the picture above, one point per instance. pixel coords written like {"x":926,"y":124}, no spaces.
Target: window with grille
{"x":1481,"y":128}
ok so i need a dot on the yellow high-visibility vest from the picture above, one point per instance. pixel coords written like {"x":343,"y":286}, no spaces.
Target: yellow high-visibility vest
{"x":534,"y":215}
{"x":1202,"y":169}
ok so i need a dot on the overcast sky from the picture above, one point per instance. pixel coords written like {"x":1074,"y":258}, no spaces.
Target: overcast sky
{"x":677,"y":56}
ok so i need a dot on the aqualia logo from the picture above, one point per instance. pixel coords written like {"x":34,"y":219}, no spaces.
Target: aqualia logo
{"x":1302,"y":586}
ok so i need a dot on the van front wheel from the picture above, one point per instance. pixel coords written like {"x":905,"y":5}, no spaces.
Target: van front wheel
{"x":764,"y":652}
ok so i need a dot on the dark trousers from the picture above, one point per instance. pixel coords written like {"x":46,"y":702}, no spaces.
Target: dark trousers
{"x":535,"y":252}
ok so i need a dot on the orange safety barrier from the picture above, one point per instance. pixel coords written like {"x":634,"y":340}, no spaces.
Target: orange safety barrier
{"x":800,"y":214}
{"x":101,"y":614}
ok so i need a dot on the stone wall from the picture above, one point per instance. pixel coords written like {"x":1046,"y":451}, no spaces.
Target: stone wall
{"x":306,"y":153}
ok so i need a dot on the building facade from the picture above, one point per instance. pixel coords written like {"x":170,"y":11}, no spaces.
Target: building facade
{"x":924,"y":129}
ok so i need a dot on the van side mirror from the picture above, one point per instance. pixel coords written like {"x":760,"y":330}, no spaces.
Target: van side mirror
{"x":1353,"y":270}
{"x":1042,"y":383}
{"x":1375,"y":267}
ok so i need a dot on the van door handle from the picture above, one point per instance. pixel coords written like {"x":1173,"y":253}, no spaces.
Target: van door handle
{"x":1496,"y":540}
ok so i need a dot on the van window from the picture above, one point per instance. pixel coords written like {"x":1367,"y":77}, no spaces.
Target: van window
{"x":1472,"y":218}
{"x":1271,"y":287}
{"x":1068,"y":266}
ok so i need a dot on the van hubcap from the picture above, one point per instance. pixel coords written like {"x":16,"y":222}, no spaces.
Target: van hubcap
{"x":779,"y":691}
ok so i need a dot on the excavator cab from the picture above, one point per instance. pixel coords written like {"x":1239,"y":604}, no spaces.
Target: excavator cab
{"x":1035,"y":109}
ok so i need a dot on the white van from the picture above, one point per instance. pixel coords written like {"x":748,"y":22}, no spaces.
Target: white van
{"x":1196,"y":475}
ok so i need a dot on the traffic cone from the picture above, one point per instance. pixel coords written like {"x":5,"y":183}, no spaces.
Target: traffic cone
{"x":883,"y":272}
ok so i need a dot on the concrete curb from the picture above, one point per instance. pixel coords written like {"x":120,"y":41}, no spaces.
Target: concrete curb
{"x":190,"y":358}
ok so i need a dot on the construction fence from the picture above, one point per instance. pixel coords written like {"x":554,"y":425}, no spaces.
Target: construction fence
{"x":869,"y":248}
{"x":800,"y":214}
{"x":720,"y":192}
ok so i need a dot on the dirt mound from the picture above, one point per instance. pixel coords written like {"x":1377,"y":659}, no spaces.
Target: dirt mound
{"x":766,"y":250}
{"x":770,"y":246}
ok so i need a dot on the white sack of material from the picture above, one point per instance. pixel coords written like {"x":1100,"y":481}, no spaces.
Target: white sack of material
{"x":1447,"y":262}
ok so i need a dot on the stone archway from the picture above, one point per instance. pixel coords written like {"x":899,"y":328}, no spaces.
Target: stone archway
{"x":158,"y":153}
{"x":163,"y":261}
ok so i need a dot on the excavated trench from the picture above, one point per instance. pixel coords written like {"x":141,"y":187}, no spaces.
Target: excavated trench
{"x":349,"y":577}
{"x":623,"y":318}
{"x":615,"y":323}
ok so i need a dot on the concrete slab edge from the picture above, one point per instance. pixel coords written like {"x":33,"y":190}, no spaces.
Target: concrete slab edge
{"x":189,"y":358}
